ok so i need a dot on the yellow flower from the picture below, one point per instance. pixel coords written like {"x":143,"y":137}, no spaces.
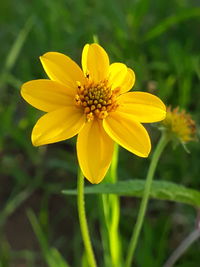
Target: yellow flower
{"x":94,"y":104}
{"x":179,"y":125}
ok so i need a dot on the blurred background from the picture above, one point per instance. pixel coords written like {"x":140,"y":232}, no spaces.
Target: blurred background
{"x":160,"y":41}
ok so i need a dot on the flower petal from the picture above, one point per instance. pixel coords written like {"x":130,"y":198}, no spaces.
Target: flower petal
{"x":84,"y":58}
{"x":128,"y":133}
{"x":121,"y":77}
{"x":47,"y":95}
{"x":61,"y":68}
{"x":94,"y":149}
{"x":95,"y":62}
{"x":128,"y":82}
{"x":57,"y":126}
{"x":144,"y":107}
{"x":117,"y":74}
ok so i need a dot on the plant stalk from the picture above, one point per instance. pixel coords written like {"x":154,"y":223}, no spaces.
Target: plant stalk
{"x":83,"y":221}
{"x":111,"y":209}
{"x":143,"y":206}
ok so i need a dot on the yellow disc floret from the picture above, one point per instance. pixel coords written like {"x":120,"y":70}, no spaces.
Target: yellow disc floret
{"x":96,"y":99}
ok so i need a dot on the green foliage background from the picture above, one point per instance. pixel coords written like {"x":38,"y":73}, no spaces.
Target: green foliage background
{"x":160,"y":41}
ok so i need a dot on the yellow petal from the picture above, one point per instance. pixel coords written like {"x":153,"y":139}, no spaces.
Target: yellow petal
{"x":128,"y":133}
{"x":94,"y":149}
{"x":128,"y":81}
{"x":117,"y":74}
{"x":57,"y":125}
{"x":47,"y":95}
{"x":95,"y":62}
{"x":144,"y":107}
{"x":84,"y":58}
{"x":61,"y":68}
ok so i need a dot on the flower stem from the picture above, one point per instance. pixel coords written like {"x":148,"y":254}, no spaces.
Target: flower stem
{"x":114,"y":163}
{"x":113,"y":201}
{"x":143,"y":206}
{"x":111,"y":209}
{"x":83,"y":221}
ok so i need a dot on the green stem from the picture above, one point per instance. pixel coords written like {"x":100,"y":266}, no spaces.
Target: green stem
{"x":111,"y":209}
{"x":113,"y":202}
{"x":83,"y":221}
{"x":143,"y":206}
{"x":114,"y":163}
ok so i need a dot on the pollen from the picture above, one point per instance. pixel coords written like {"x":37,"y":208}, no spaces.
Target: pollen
{"x":96,"y":99}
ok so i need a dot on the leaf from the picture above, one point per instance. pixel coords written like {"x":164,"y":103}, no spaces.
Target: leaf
{"x":51,"y":255}
{"x":17,"y":45}
{"x":171,"y":21}
{"x":57,"y":258}
{"x":14,"y":53}
{"x":13,"y":203}
{"x":160,"y":190}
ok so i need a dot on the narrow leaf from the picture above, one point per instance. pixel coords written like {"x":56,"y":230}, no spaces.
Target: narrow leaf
{"x":17,"y":46}
{"x":160,"y":190}
{"x":51,"y":255}
{"x":171,"y":21}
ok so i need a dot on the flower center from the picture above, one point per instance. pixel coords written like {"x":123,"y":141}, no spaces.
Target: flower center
{"x":96,"y":99}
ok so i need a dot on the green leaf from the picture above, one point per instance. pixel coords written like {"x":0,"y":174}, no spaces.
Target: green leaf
{"x":171,"y":21}
{"x":51,"y":255}
{"x":159,"y":190}
{"x":57,"y":258}
{"x":13,"y":203}
{"x":14,"y":53}
{"x":17,"y":45}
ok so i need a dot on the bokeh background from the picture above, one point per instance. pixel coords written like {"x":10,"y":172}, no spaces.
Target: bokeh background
{"x":160,"y":40}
